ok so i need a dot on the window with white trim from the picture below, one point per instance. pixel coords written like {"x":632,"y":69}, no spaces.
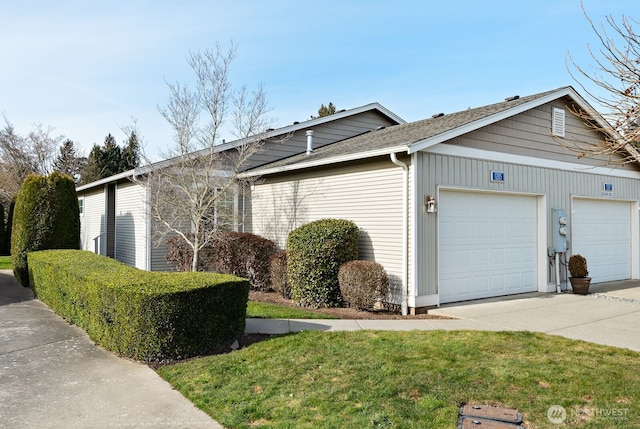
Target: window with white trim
{"x":81,"y":205}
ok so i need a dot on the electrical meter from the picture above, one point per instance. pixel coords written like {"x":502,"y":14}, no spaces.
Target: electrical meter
{"x":560,"y":230}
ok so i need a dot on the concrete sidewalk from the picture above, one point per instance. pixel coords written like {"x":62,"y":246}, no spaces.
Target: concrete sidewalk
{"x":609,"y":316}
{"x":53,"y":376}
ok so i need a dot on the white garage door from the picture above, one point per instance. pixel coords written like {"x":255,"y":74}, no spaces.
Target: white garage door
{"x":602,"y":234}
{"x":487,"y":245}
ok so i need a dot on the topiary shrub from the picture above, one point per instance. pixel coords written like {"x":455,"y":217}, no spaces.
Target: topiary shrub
{"x":46,"y":216}
{"x":362,"y":283}
{"x":278,"y":273}
{"x":245,"y":255}
{"x":315,"y":252}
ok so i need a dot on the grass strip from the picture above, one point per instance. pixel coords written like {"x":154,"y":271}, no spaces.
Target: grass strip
{"x":5,"y":263}
{"x":263,"y":310}
{"x":371,"y":379}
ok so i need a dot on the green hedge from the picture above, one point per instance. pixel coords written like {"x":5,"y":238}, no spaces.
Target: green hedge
{"x":46,"y":216}
{"x":143,"y":315}
{"x":315,"y":252}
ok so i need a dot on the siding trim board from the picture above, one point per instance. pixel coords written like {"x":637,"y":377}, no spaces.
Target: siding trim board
{"x":457,"y":151}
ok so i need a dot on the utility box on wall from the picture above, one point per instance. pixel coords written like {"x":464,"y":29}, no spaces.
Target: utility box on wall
{"x":560,"y":230}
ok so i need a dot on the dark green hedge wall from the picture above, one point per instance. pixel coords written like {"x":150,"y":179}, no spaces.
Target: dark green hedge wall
{"x":143,"y":315}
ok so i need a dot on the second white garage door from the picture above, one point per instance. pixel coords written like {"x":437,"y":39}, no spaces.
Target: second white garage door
{"x":602,"y":234}
{"x":487,"y":245}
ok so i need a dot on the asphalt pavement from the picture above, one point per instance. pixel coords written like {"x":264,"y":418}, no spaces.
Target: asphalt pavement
{"x":53,"y":376}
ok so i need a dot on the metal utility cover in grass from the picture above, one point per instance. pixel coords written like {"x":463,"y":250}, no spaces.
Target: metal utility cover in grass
{"x":488,"y":417}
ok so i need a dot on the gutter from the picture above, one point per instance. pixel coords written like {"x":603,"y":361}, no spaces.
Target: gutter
{"x":405,"y":232}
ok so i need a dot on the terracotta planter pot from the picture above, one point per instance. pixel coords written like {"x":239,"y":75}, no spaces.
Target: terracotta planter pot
{"x":580,"y":285}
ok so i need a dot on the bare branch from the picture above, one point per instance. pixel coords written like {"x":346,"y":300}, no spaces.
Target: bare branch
{"x":616,"y":76}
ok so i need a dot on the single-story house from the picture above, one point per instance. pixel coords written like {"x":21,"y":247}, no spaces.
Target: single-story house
{"x":455,"y":207}
{"x":115,"y":216}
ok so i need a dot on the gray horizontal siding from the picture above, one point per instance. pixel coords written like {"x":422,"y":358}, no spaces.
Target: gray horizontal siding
{"x":323,"y":134}
{"x":558,"y":186}
{"x":529,"y":134}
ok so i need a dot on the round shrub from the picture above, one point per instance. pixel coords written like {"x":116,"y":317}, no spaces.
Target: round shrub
{"x":46,"y":216}
{"x":362,"y":283}
{"x":278,"y":273}
{"x":315,"y":252}
{"x":244,"y":255}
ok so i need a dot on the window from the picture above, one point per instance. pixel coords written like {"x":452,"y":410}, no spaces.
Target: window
{"x":558,"y":122}
{"x":222,"y":217}
{"x":81,"y":205}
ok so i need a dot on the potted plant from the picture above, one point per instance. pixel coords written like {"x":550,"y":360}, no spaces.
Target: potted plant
{"x":580,"y":279}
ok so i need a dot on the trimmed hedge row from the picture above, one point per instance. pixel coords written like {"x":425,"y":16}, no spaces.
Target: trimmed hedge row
{"x":148,"y":316}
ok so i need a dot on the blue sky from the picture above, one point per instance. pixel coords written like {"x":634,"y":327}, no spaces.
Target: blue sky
{"x":87,"y":68}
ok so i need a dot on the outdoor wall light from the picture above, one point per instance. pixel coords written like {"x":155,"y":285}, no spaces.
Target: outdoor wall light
{"x":430,"y":203}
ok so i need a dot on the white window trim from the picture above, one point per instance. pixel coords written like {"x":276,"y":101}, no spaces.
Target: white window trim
{"x":558,"y":123}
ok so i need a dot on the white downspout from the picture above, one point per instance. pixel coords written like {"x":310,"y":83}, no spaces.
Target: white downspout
{"x":405,"y":232}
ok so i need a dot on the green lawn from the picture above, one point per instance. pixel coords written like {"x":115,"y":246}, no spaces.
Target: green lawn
{"x":264,"y":310}
{"x":5,"y":263}
{"x":371,"y":379}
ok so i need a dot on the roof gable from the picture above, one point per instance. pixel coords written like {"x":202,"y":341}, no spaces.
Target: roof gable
{"x":415,"y":136}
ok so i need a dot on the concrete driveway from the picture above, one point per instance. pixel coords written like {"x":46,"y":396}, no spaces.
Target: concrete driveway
{"x":53,"y":376}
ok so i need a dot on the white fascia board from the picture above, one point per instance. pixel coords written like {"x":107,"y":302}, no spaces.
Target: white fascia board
{"x":464,"y":152}
{"x":488,"y":120}
{"x":321,"y":162}
{"x":106,"y":180}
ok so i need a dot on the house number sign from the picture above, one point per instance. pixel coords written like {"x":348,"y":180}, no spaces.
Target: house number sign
{"x":497,"y":176}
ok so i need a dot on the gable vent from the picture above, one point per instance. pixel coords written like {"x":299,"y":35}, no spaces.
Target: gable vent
{"x":558,"y":122}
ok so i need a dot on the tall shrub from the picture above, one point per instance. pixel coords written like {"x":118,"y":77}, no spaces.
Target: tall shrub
{"x":46,"y":216}
{"x":315,"y":252}
{"x":245,"y":255}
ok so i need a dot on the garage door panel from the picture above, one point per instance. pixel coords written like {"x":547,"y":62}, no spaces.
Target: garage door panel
{"x":495,"y":254}
{"x":602,"y":234}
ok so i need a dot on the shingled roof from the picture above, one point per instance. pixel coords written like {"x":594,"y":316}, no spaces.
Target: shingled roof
{"x":414,"y":136}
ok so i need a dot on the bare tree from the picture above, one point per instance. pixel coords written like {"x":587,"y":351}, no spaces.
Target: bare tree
{"x":193,"y":191}
{"x":21,"y":155}
{"x":615,"y":77}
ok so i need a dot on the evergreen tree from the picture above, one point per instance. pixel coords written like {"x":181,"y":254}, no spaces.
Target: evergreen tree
{"x":109,"y":159}
{"x":131,"y":152}
{"x":326,"y":110}
{"x":68,"y":162}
